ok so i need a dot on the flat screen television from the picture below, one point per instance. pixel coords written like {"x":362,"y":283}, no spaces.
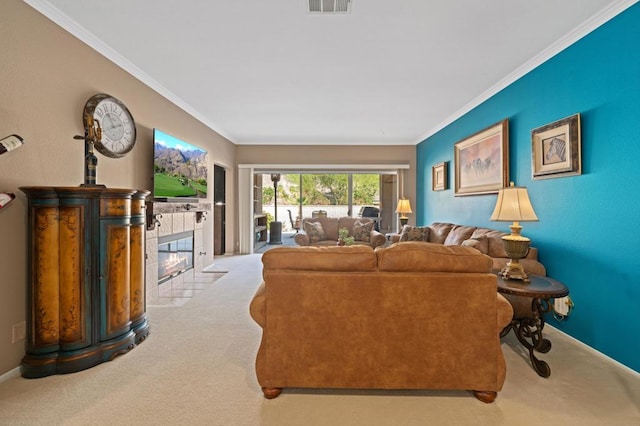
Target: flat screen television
{"x":179,"y":169}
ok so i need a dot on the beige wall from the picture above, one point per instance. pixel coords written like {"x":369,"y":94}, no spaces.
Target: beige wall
{"x":46,"y":76}
{"x":343,"y":154}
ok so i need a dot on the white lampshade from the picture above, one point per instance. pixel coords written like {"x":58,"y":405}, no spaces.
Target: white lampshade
{"x":404,"y":206}
{"x":513,"y":205}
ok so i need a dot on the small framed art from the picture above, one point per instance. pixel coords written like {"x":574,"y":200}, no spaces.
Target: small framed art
{"x":439,"y":177}
{"x":482,"y":161}
{"x":556,"y":150}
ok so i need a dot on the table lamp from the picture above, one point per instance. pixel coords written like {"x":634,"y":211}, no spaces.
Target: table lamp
{"x":404,"y":208}
{"x":513,"y":205}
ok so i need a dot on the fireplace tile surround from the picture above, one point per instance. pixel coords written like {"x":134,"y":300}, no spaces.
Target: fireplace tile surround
{"x":174,"y":218}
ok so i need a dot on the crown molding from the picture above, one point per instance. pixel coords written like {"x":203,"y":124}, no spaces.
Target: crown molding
{"x":570,"y":38}
{"x":55,"y":15}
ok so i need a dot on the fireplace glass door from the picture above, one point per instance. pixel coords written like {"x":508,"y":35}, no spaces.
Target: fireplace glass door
{"x":175,"y":255}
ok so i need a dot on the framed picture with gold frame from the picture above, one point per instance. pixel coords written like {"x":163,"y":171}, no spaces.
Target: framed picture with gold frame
{"x":556,"y":150}
{"x":482,"y":161}
{"x":439,"y":177}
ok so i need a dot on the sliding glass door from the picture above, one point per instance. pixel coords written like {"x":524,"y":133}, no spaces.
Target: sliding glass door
{"x":303,"y":195}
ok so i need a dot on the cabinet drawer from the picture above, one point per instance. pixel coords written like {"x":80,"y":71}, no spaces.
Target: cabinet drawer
{"x":115,"y":207}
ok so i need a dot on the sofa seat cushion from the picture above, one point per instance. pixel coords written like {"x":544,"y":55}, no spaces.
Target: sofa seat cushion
{"x":326,"y":258}
{"x":415,"y":233}
{"x":429,"y":257}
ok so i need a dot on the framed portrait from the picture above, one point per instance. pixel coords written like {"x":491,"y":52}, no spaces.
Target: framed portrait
{"x":556,"y":149}
{"x":482,"y":161}
{"x":439,"y":177}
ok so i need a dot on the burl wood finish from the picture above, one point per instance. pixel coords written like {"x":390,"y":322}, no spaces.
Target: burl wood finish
{"x":86,"y":259}
{"x":138,"y":305}
{"x":72,"y":308}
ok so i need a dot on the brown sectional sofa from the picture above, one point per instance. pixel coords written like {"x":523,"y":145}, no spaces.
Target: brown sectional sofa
{"x":487,"y":241}
{"x":330,"y":226}
{"x":408,"y":316}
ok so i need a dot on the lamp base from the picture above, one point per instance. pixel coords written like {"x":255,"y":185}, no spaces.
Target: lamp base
{"x":514,"y":272}
{"x":403,"y":221}
{"x":516,"y":247}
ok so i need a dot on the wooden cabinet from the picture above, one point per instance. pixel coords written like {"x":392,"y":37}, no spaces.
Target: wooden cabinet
{"x":86,"y":290}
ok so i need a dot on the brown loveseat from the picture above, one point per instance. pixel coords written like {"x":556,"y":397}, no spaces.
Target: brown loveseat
{"x":323,"y":231}
{"x":487,"y":241}
{"x":409,"y":316}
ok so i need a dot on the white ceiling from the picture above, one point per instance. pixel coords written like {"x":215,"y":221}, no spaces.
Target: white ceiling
{"x":269,"y":72}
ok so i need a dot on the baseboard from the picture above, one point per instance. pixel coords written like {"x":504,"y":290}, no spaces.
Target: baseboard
{"x":10,"y":374}
{"x":596,"y":352}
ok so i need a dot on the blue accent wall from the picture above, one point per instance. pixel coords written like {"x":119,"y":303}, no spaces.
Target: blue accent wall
{"x":588,"y":235}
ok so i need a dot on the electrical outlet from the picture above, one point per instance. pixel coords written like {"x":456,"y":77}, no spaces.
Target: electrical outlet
{"x":19,"y":332}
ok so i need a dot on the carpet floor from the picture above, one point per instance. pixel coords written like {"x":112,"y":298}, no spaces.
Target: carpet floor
{"x":197,"y":368}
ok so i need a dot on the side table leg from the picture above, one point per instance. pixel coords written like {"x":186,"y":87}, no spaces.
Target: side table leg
{"x":529,"y":333}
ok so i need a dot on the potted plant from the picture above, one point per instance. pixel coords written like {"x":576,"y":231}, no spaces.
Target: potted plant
{"x":344,"y":238}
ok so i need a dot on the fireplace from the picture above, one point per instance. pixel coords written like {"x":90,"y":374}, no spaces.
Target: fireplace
{"x":175,"y":255}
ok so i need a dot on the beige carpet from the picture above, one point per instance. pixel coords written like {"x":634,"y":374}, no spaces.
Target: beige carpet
{"x":197,"y":368}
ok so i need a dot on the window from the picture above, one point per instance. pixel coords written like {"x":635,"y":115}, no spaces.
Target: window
{"x":309,"y":194}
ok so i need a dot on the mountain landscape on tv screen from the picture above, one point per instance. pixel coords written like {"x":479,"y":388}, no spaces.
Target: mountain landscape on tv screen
{"x":179,"y":173}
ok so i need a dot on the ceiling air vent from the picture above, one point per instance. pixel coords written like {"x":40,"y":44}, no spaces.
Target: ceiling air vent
{"x":329,"y":6}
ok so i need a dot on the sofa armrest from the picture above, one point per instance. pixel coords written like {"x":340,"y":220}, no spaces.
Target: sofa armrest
{"x":505,"y":312}
{"x":377,"y":239}
{"x":301,"y":239}
{"x":258,"y":306}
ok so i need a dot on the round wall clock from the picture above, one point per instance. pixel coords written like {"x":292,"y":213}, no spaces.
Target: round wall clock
{"x":118,"y":130}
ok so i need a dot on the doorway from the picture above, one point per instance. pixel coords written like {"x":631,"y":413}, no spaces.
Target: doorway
{"x":219,"y":201}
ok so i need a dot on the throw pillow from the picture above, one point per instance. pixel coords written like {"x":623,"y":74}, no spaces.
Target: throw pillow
{"x":362,"y":231}
{"x":417,"y":233}
{"x":480,"y":243}
{"x":314,"y":231}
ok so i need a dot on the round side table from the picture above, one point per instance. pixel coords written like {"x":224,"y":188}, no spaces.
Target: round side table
{"x":528,"y":329}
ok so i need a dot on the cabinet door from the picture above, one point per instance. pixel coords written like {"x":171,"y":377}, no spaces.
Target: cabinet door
{"x":138,"y":305}
{"x":115,"y":266}
{"x":75,"y":273}
{"x":44,"y":288}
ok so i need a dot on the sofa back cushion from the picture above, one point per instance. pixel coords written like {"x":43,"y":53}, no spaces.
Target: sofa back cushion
{"x":495,"y":245}
{"x":458,"y":234}
{"x":329,"y":226}
{"x":330,"y":258}
{"x":439,"y":232}
{"x":430,"y":257}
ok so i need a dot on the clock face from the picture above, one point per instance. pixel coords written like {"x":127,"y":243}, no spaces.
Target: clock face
{"x":116,"y":123}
